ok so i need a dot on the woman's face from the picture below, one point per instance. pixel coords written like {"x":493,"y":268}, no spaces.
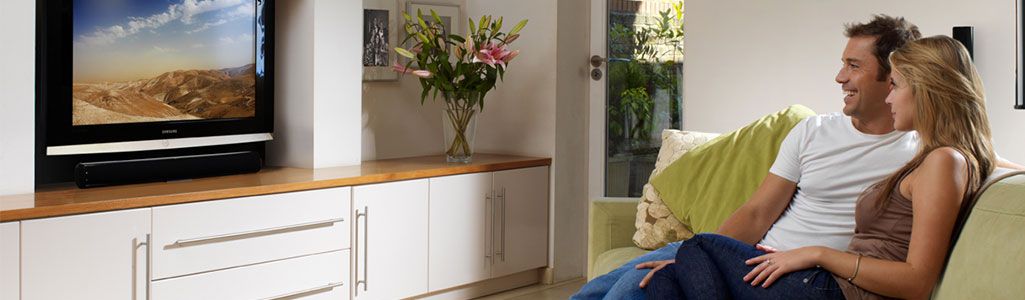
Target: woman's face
{"x":902,"y":102}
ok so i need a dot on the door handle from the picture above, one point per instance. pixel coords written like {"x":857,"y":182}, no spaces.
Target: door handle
{"x":501,"y":251}
{"x":597,"y":61}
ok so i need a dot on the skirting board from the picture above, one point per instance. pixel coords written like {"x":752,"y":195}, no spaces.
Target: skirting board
{"x":487,"y":287}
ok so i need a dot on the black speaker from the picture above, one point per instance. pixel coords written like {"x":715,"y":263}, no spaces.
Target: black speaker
{"x":966,"y":35}
{"x":104,"y":173}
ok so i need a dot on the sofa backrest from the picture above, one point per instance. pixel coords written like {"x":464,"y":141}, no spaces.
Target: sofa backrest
{"x":989,"y":255}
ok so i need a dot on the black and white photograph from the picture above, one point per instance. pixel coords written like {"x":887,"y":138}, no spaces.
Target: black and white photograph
{"x":380,"y":28}
{"x":375,"y":38}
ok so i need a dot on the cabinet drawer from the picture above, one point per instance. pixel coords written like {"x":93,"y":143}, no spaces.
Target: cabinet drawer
{"x":320,"y":276}
{"x":206,"y":236}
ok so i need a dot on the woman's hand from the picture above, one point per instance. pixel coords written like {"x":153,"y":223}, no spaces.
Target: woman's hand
{"x":654,"y":266}
{"x":773,"y":265}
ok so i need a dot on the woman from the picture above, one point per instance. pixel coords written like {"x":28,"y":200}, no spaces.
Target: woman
{"x":904,"y":223}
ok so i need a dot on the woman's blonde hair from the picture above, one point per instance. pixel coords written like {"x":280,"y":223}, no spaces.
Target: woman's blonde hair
{"x":949,"y":106}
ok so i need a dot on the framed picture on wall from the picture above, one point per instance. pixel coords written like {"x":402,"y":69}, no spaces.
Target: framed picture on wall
{"x":451,"y":15}
{"x":1019,"y":99}
{"x":380,"y":32}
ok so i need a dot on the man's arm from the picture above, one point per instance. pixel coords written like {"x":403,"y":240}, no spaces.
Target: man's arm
{"x":752,"y":220}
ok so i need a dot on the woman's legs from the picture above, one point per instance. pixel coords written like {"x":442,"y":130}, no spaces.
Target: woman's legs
{"x":728,"y":256}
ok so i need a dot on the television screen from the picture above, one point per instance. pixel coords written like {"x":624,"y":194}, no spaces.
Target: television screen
{"x":155,"y":61}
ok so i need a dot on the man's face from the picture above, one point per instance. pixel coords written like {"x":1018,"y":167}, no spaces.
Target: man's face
{"x":864,"y":94}
{"x":902,"y":103}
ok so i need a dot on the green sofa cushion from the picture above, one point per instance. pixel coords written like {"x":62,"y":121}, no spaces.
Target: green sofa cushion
{"x":612,"y":259}
{"x":989,"y":256}
{"x":709,"y":182}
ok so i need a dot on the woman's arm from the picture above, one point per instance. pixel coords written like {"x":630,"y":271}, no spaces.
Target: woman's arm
{"x":936,"y":190}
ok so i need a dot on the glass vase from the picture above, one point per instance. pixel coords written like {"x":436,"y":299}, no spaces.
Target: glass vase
{"x":460,"y":126}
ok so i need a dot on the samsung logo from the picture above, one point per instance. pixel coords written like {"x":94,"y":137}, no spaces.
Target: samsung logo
{"x":169,"y":131}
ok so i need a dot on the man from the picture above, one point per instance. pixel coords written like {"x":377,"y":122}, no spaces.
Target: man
{"x":825,"y":162}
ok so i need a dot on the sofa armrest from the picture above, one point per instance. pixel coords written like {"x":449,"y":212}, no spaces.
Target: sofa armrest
{"x":610,"y":226}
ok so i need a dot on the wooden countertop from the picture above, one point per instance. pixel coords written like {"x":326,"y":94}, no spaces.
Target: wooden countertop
{"x":68,"y":199}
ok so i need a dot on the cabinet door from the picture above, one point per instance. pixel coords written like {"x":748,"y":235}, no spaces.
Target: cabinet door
{"x":390,"y":240}
{"x":94,"y":256}
{"x":10,"y":261}
{"x":521,"y":230}
{"x":460,"y":220}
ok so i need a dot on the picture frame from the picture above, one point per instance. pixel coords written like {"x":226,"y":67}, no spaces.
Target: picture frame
{"x":380,"y":36}
{"x":451,"y":14}
{"x":1019,"y":91}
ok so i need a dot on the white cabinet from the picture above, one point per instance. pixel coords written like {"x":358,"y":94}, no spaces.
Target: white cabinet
{"x":521,"y":230}
{"x":487,"y":225}
{"x":320,"y":276}
{"x":10,"y":261}
{"x":93,"y":256}
{"x":461,"y":247}
{"x":205,"y":236}
{"x":390,"y":240}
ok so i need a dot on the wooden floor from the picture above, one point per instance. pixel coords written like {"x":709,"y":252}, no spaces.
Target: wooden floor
{"x":560,"y":291}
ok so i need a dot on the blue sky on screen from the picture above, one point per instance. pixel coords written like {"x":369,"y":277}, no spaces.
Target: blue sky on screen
{"x":122,"y":40}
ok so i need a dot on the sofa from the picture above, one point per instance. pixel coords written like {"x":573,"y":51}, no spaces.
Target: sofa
{"x":985,"y":263}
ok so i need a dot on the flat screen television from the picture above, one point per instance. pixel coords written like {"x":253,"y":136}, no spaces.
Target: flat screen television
{"x":127,"y":79}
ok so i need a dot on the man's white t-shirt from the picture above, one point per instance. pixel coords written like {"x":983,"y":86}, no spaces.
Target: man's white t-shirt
{"x":832,"y":163}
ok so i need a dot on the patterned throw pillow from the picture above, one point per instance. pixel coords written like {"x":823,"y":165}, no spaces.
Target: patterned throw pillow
{"x":656,"y":225}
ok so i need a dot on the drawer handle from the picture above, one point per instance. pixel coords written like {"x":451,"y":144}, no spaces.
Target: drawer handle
{"x":207,"y":239}
{"x":306,"y":291}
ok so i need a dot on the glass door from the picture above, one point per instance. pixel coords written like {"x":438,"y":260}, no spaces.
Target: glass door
{"x":636,"y":89}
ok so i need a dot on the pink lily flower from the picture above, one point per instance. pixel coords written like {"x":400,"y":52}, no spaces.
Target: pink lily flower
{"x":403,"y":70}
{"x":511,"y":55}
{"x":492,"y":55}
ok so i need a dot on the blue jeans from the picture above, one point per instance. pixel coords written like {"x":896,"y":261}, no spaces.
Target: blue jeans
{"x":624,"y":282}
{"x":710,"y":266}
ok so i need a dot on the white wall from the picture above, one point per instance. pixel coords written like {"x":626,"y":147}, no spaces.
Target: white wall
{"x":542,"y":98}
{"x":518,"y":116}
{"x":17,"y":81}
{"x":748,"y":58}
{"x":317,"y":98}
{"x":571,"y":160}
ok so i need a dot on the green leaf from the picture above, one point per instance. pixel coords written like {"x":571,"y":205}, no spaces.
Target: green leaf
{"x":405,"y":53}
{"x":457,"y":38}
{"x":519,"y":26}
{"x":436,"y":17}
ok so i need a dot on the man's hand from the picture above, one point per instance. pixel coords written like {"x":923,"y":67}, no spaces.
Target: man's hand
{"x":654,"y":266}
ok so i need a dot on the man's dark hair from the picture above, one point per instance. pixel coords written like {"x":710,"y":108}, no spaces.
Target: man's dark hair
{"x":890,"y":33}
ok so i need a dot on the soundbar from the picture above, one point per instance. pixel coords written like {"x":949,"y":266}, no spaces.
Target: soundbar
{"x":106,"y":173}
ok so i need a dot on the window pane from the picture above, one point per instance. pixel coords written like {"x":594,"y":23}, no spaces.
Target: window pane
{"x":644,"y":92}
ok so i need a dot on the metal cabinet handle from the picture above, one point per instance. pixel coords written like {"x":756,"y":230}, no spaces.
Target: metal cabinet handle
{"x":187,"y":242}
{"x":366,"y":223}
{"x":306,"y":291}
{"x":149,"y":266}
{"x":135,"y":263}
{"x":356,"y":251}
{"x":501,"y":251}
{"x":489,"y":207}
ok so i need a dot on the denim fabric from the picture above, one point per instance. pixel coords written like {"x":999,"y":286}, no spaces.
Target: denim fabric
{"x":624,"y":282}
{"x":712,"y":266}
